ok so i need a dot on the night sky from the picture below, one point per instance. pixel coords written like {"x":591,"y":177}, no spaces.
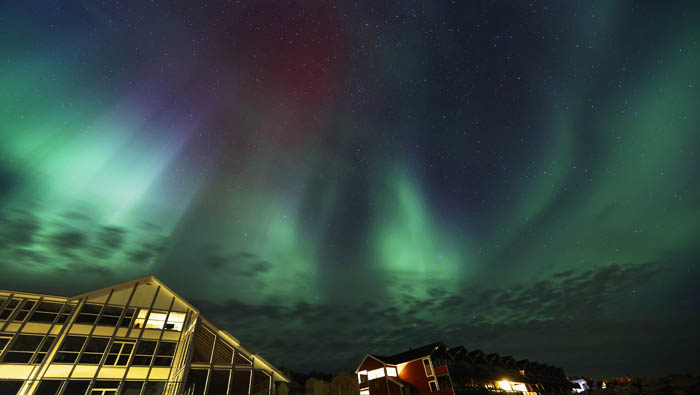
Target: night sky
{"x":326,"y":179}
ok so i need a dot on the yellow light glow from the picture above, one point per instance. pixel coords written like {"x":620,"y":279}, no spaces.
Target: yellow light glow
{"x":504,"y":385}
{"x":400,"y":367}
{"x":519,"y":387}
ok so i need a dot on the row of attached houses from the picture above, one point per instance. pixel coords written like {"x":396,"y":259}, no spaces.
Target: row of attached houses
{"x":439,"y":370}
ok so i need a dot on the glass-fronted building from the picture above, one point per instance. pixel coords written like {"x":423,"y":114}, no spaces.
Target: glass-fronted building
{"x":135,"y":338}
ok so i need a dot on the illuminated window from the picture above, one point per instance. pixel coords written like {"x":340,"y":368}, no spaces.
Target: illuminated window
{"x":433,"y":386}
{"x":119,"y":353}
{"x":375,"y":374}
{"x":519,"y":387}
{"x":504,"y":385}
{"x":428,"y":368}
{"x":391,"y":371}
{"x":365,"y":392}
{"x":159,"y":320}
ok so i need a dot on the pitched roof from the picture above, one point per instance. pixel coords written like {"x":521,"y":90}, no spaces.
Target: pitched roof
{"x":409,"y":355}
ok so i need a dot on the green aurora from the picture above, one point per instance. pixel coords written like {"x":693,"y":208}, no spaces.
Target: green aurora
{"x":514,"y":181}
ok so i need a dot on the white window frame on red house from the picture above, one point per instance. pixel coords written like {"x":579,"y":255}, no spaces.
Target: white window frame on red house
{"x":427,"y":366}
{"x":430,"y":384}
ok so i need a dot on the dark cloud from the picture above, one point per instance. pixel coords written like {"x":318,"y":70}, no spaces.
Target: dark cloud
{"x":148,"y":251}
{"x":18,"y":228}
{"x":497,"y":320}
{"x":69,"y":239}
{"x":112,"y":237}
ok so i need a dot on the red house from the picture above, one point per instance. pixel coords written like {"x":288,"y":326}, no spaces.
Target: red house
{"x":414,"y":372}
{"x":439,"y":370}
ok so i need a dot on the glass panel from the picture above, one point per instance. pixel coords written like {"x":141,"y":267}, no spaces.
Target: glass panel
{"x":223,"y":352}
{"x":218,"y":382}
{"x":240,"y":382}
{"x":43,"y":317}
{"x":146,"y":347}
{"x":105,"y":385}
{"x":3,"y":342}
{"x":90,"y":358}
{"x":76,"y":387}
{"x":175,"y":321}
{"x":49,"y":307}
{"x":26,"y":343}
{"x":10,"y":386}
{"x":48,"y":387}
{"x":17,"y":356}
{"x":73,"y":343}
{"x":196,"y":380}
{"x":48,"y":343}
{"x":112,"y":310}
{"x":97,"y":344}
{"x":66,"y":357}
{"x":241,"y":359}
{"x":132,"y":388}
{"x":154,"y":388}
{"x":91,"y":308}
{"x":167,"y":349}
{"x":261,"y":383}
{"x":108,"y":320}
{"x":204,"y":342}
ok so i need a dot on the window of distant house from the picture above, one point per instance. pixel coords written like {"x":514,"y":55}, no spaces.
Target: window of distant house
{"x":391,"y":371}
{"x":159,"y":319}
{"x":375,"y":374}
{"x":433,"y":386}
{"x":428,"y":368}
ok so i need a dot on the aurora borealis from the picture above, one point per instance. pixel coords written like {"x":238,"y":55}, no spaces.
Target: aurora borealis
{"x":326,"y":179}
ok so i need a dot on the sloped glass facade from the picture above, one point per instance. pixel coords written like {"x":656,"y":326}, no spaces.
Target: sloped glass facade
{"x":135,"y":338}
